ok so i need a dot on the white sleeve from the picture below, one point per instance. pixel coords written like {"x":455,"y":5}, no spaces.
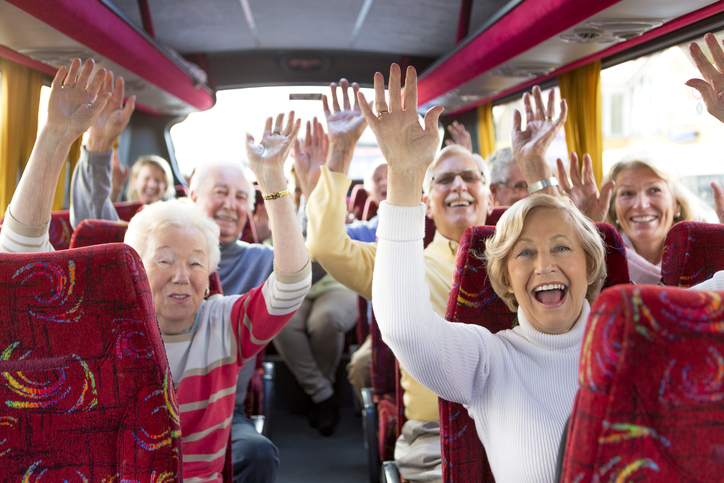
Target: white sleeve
{"x":716,"y":282}
{"x":448,"y":358}
{"x":16,"y":237}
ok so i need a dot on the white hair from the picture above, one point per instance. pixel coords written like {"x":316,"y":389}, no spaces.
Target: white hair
{"x":369,"y":182}
{"x":199,"y":178}
{"x":500,"y":162}
{"x":181,"y":213}
{"x":449,"y":152}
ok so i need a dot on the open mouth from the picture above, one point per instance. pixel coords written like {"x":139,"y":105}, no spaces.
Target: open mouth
{"x":227,"y":218}
{"x":551,"y":294}
{"x":179,"y":297}
{"x":456,"y":203}
{"x":643,"y":219}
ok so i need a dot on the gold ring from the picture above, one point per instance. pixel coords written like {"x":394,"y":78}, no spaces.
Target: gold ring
{"x":379,"y":114}
{"x":276,"y":132}
{"x":549,"y":119}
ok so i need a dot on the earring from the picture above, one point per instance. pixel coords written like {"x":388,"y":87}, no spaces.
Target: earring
{"x":618,"y":222}
{"x":207,"y":292}
{"x":678,"y":215}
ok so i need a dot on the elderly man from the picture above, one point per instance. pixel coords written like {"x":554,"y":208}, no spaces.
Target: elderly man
{"x":457,"y":196}
{"x":506,"y":181}
{"x":225,"y":195}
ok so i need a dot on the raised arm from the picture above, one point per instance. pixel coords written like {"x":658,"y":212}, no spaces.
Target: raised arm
{"x":530,"y":145}
{"x":73,"y":106}
{"x":460,"y":136}
{"x":444,"y":357}
{"x":91,"y":187}
{"x":582,"y":189}
{"x":309,"y":155}
{"x":348,"y":261}
{"x":266,"y":160}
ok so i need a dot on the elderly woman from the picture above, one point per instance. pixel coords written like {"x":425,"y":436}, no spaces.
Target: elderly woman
{"x":547,"y":262}
{"x":179,"y":248}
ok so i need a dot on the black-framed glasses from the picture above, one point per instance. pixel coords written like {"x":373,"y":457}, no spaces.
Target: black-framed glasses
{"x":520,"y":186}
{"x":469,"y":176}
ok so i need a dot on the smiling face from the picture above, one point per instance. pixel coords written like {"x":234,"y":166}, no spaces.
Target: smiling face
{"x":506,"y":195}
{"x":176,"y":262}
{"x":460,"y":204}
{"x":150,"y":184}
{"x":645,"y":208}
{"x":379,"y":181}
{"x":224,"y":198}
{"x":547,"y":271}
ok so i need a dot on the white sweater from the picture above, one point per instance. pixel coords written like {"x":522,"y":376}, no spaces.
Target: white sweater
{"x":518,"y":385}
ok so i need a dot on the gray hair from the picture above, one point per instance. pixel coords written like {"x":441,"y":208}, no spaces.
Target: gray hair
{"x":499,"y":163}
{"x":199,"y":178}
{"x":181,"y":213}
{"x":369,"y":182}
{"x":449,"y":152}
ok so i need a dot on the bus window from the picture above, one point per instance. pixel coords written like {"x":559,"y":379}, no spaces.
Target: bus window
{"x":647,"y":107}
{"x":219,"y":133}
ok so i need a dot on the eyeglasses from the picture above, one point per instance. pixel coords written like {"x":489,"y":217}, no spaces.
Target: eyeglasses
{"x":520,"y":186}
{"x":469,"y":177}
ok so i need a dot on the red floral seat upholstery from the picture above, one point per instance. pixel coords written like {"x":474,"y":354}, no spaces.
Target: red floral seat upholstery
{"x":651,"y":401}
{"x":473,"y":301}
{"x":85,"y":385}
{"x":98,"y":232}
{"x":693,"y":252}
{"x":60,"y":230}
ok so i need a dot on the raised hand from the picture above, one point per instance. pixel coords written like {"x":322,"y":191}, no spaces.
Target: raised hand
{"x":582,"y":189}
{"x":460,"y":136}
{"x":345,"y":125}
{"x":119,"y":175}
{"x":114,"y":117}
{"x":712,"y":87}
{"x":408,"y":147}
{"x":266,"y":159}
{"x":74,"y":102}
{"x":718,"y":200}
{"x":309,"y":155}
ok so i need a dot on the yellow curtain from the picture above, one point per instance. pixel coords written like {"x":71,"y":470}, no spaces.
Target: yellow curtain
{"x":69,"y":167}
{"x":486,"y":130}
{"x":19,"y":103}
{"x":581,"y":88}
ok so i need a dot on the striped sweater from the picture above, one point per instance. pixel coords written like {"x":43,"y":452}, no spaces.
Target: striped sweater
{"x":204,"y":362}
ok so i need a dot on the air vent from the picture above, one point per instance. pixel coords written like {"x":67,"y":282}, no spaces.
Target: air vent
{"x":524,"y":70}
{"x":56,"y":57}
{"x":624,"y":30}
{"x":588,"y":36}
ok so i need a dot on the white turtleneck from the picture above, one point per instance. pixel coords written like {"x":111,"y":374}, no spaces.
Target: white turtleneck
{"x":518,"y":385}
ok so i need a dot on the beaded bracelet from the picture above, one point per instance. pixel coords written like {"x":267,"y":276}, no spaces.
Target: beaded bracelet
{"x":276,"y":195}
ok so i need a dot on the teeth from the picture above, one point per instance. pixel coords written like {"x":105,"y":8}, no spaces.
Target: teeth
{"x":459,"y":203}
{"x":550,"y":286}
{"x":178,"y":296}
{"x":643,"y":219}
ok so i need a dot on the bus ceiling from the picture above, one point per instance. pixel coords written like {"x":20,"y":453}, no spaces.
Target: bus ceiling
{"x":174,"y":55}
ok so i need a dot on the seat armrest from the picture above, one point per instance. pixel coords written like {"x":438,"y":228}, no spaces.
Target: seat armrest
{"x":390,"y":472}
{"x":369,"y":427}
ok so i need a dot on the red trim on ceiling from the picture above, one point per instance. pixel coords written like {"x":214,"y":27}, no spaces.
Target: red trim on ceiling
{"x":26,"y":61}
{"x":668,"y":27}
{"x":115,"y":40}
{"x":526,"y":26}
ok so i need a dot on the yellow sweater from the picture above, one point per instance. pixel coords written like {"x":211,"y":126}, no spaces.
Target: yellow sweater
{"x":351,"y":263}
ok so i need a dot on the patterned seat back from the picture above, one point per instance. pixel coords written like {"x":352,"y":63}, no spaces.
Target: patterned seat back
{"x":60,"y":231}
{"x":651,"y":400}
{"x":494,"y":216}
{"x":473,"y":301}
{"x":85,"y":385}
{"x":98,"y":232}
{"x":127,"y":209}
{"x":693,"y":252}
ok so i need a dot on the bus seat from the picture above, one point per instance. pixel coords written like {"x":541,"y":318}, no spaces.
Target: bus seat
{"x":182,"y":191}
{"x":693,"y":252}
{"x":86,"y":387}
{"x":126,"y":209}
{"x":473,"y":301}
{"x":98,"y":232}
{"x":248,"y":234}
{"x":494,"y":216}
{"x":357,"y":201}
{"x":60,"y":231}
{"x":651,"y":392}
{"x":370,"y":209}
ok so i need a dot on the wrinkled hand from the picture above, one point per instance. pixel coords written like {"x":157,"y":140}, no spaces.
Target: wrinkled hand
{"x":346,"y":124}
{"x":718,"y":200}
{"x":309,"y":155}
{"x":114,"y":117}
{"x":266,"y":159}
{"x":460,"y":136}
{"x":712,"y":87}
{"x":582,"y":189}
{"x":530,"y":145}
{"x":74,"y":102}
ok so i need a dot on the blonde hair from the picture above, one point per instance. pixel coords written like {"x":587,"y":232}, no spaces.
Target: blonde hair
{"x":180,"y":213}
{"x":156,"y":162}
{"x":509,"y":228}
{"x":690,"y":206}
{"x":449,"y":152}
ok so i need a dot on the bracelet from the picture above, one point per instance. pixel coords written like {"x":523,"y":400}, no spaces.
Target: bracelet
{"x":276,"y":195}
{"x":542,"y":184}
